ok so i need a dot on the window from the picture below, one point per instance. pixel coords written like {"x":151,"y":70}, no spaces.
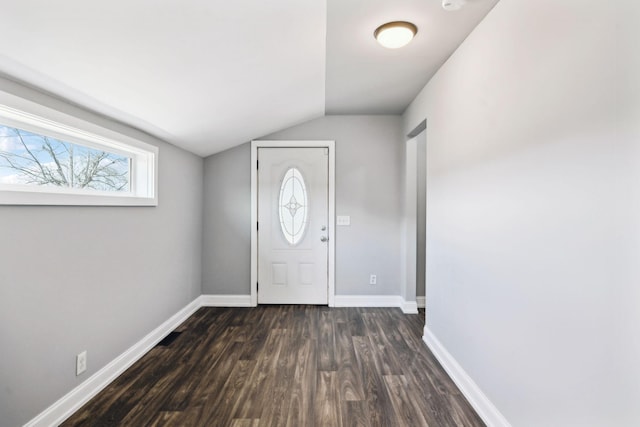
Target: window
{"x":50,"y":163}
{"x":32,"y":159}
{"x":293,"y":206}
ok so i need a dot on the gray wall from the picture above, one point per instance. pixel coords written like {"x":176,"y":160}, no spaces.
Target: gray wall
{"x":369,"y":180}
{"x":227,"y":223}
{"x":91,"y":278}
{"x":533,"y":210}
{"x":369,"y":151}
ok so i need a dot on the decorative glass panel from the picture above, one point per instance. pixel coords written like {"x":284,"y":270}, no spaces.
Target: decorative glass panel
{"x":293,"y":206}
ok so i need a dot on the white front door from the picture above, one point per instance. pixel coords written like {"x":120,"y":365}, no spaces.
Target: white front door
{"x":293,"y":219}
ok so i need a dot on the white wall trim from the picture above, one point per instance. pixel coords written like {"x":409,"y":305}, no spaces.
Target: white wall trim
{"x":421,"y":301}
{"x":331,"y":145}
{"x":407,"y":307}
{"x":480,"y":402}
{"x":368,"y":301}
{"x":225,"y":301}
{"x":65,"y":407}
{"x":409,"y":247}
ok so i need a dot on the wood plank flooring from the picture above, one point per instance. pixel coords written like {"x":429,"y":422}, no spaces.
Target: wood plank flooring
{"x":293,"y":366}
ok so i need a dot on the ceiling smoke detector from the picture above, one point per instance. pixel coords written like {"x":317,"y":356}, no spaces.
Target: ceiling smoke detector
{"x":452,"y":5}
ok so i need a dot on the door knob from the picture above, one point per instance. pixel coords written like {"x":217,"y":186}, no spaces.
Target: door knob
{"x":324,"y":238}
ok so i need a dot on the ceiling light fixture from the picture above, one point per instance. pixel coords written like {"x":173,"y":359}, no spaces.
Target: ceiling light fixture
{"x":393,"y":35}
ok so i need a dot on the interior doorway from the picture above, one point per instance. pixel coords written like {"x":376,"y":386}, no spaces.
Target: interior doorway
{"x":415,"y":217}
{"x":421,"y":217}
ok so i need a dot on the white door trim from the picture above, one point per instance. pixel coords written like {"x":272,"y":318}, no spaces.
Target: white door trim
{"x":254,"y":210}
{"x":409,"y":251}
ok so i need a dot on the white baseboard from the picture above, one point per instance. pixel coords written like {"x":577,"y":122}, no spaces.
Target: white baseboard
{"x":368,"y":301}
{"x":407,"y":307}
{"x":62,"y":409}
{"x":72,"y":401}
{"x":421,"y":301}
{"x":57,"y":413}
{"x":225,"y":300}
{"x":480,"y":402}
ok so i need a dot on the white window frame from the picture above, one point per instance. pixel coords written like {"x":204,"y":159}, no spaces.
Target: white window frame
{"x":144,"y":158}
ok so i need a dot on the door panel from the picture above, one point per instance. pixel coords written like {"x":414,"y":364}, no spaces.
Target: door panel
{"x":293,"y":191}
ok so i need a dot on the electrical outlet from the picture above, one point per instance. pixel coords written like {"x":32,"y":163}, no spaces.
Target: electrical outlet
{"x":81,"y":363}
{"x":373,"y":279}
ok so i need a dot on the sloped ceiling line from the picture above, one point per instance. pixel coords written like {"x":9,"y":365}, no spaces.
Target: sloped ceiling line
{"x":208,"y":75}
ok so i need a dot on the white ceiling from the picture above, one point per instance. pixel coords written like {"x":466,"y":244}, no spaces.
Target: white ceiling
{"x":366,"y":78}
{"x":207,"y":75}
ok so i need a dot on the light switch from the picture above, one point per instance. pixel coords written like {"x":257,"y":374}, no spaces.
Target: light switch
{"x":344,"y":220}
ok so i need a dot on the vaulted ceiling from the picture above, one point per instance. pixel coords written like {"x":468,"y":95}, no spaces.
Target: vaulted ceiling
{"x":207,"y":75}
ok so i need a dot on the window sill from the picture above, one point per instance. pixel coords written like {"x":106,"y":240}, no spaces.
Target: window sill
{"x":33,"y":198}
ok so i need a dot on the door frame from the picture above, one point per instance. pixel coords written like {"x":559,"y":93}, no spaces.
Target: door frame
{"x":330,"y":145}
{"x":410,"y":226}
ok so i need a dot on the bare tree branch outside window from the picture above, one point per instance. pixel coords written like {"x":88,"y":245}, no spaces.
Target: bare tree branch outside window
{"x":29,"y":158}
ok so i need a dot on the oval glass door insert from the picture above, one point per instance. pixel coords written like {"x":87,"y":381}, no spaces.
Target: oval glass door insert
{"x":293,"y":205}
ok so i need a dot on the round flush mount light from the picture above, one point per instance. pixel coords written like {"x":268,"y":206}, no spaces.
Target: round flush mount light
{"x":393,"y":35}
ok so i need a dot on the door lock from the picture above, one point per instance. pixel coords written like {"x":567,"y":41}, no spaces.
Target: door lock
{"x":324,"y":238}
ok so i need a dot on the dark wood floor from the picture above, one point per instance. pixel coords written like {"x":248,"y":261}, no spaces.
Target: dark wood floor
{"x":286,"y":366}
